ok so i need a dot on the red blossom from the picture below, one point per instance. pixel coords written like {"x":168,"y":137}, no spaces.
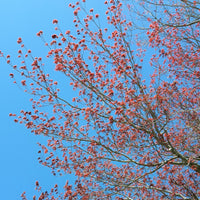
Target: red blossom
{"x":75,"y":12}
{"x":54,"y":36}
{"x":37,"y":183}
{"x":55,"y":21}
{"x":23,"y":82}
{"x":11,"y":75}
{"x":19,"y":41}
{"x":39,"y":33}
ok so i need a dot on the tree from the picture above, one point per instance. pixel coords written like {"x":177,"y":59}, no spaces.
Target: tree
{"x":122,"y":136}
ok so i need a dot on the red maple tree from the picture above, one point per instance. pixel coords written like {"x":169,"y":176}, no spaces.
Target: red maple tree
{"x":125,"y":135}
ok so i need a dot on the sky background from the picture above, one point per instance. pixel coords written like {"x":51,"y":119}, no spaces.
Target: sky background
{"x":19,"y":168}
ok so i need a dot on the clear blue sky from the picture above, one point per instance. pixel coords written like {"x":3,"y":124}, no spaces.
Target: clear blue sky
{"x":19,"y":168}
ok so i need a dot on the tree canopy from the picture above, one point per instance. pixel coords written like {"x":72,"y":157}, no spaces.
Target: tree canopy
{"x":132,"y":130}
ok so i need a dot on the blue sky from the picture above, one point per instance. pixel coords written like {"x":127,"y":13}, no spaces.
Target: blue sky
{"x":19,"y":167}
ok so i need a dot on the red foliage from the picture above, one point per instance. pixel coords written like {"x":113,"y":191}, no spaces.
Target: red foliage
{"x":123,"y":137}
